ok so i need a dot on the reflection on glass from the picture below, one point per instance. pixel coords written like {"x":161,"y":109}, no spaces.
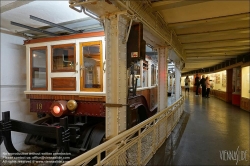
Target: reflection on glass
{"x":153,"y":77}
{"x":38,"y":70}
{"x":236,"y":84}
{"x":63,"y":58}
{"x":245,"y":88}
{"x":137,"y":71}
{"x":92,"y":67}
{"x":145,"y":78}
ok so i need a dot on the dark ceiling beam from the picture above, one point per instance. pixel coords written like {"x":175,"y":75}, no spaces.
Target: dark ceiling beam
{"x":13,"y":33}
{"x":161,"y":6}
{"x":212,"y":38}
{"x":208,"y":21}
{"x":210,"y":60}
{"x":231,"y":25}
{"x":66,"y":24}
{"x":242,"y":47}
{"x":14,"y":5}
{"x":233,"y":62}
{"x":33,"y":29}
{"x":243,"y":40}
{"x":222,"y":43}
{"x":225,"y":52}
{"x":229,"y":53}
{"x":218,"y":32}
{"x":209,"y":57}
{"x":53,"y":24}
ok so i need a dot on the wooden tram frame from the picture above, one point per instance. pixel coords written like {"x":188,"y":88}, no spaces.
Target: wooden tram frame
{"x":90,"y":103}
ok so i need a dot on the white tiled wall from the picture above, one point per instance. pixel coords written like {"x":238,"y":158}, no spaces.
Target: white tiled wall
{"x":13,"y":80}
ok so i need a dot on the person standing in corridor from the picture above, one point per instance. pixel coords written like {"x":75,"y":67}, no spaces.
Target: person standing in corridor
{"x":208,"y":87}
{"x":203,"y":86}
{"x":187,"y":84}
{"x":197,"y":84}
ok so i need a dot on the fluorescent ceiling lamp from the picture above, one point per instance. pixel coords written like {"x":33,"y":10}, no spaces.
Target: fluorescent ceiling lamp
{"x":243,"y":41}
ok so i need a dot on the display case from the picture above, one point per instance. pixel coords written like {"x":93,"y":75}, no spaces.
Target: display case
{"x":245,"y":82}
{"x":245,"y":90}
{"x":218,"y":84}
{"x":236,"y":80}
{"x":218,"y":81}
{"x":236,"y":86}
{"x":183,"y":82}
{"x":212,"y":81}
{"x":191,"y":81}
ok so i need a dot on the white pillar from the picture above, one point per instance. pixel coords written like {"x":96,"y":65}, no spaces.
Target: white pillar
{"x":149,"y":73}
{"x":116,"y":74}
{"x":162,"y":78}
{"x":141,"y":73}
{"x":177,"y":83}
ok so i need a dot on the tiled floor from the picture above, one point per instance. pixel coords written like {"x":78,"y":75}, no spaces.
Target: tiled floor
{"x":209,"y":131}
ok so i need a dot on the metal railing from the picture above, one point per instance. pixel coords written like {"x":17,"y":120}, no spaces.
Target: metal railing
{"x":137,"y":145}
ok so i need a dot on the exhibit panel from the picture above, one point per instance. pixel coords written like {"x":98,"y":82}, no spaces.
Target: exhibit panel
{"x":191,"y":82}
{"x":245,"y":89}
{"x":218,"y":84}
{"x":219,"y":80}
{"x":236,"y":86}
{"x":183,"y":81}
{"x":245,"y":82}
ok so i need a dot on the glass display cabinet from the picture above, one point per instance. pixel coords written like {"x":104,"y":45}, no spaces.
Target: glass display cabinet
{"x":236,"y":86}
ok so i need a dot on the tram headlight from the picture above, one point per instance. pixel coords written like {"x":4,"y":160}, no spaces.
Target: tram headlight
{"x":58,"y":108}
{"x":71,"y":105}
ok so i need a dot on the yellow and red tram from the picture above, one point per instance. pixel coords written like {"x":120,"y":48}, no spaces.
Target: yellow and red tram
{"x":66,"y":86}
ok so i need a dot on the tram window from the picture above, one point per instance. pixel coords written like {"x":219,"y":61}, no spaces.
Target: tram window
{"x":63,"y":58}
{"x":145,"y":74}
{"x":137,"y":71}
{"x":91,"y":66}
{"x":38,"y":68}
{"x":145,"y":78}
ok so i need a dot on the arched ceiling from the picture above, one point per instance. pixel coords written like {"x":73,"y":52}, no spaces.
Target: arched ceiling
{"x":207,"y":32}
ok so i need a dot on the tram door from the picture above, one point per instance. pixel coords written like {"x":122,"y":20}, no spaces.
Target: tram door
{"x":91,"y":66}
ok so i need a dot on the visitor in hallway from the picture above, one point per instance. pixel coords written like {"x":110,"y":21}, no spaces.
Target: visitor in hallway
{"x":187,"y":84}
{"x":203,"y":86}
{"x":197,"y":84}
{"x":208,"y":87}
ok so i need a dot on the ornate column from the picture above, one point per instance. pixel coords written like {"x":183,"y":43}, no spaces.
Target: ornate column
{"x":162,"y":78}
{"x":116,"y":74}
{"x":177,"y":83}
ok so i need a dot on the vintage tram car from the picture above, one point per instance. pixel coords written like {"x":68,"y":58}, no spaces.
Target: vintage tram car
{"x":65,"y":86}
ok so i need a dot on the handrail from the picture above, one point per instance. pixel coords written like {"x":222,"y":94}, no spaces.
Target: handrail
{"x":133,"y":142}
